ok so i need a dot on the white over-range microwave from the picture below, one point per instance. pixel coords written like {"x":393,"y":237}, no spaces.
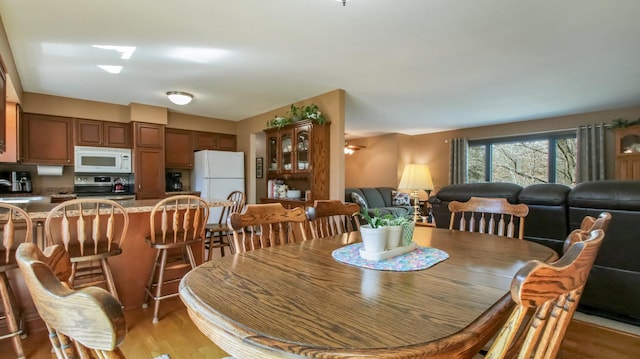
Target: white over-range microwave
{"x":102,"y":160}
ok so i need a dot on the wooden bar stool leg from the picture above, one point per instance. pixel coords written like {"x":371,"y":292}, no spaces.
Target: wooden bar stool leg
{"x":149,"y":288}
{"x":106,"y":271}
{"x":10,"y":310}
{"x":158,"y":296}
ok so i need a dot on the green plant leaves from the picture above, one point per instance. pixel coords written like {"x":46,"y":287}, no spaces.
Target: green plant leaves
{"x":295,"y":114}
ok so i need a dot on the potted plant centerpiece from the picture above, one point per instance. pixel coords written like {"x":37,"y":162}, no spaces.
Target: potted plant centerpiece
{"x":396,"y":227}
{"x":374,"y":233}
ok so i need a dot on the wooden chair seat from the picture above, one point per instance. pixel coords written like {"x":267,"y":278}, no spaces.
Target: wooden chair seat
{"x":176,"y":223}
{"x":16,"y":228}
{"x":488,"y":215}
{"x":332,"y":217}
{"x":266,"y":225}
{"x":85,"y":323}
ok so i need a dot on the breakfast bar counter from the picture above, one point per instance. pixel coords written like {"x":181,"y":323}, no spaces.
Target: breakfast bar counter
{"x":132,"y":268}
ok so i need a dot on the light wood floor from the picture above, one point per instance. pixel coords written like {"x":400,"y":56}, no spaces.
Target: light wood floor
{"x":177,"y":336}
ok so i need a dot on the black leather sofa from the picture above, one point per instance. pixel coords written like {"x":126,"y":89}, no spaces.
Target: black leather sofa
{"x":613,"y":288}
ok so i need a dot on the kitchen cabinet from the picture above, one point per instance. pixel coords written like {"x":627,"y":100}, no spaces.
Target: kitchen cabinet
{"x":148,"y":135}
{"x":178,"y":148}
{"x":628,"y":153}
{"x":102,"y":133}
{"x":298,"y":154}
{"x":148,"y":160}
{"x":205,"y":140}
{"x":226,"y":142}
{"x":47,"y":139}
{"x":214,"y":141}
{"x":149,"y":173}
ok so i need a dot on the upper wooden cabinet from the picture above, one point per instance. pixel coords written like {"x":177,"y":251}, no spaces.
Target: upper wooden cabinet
{"x":148,"y":135}
{"x":47,"y":139}
{"x":178,"y":148}
{"x":214,"y":141}
{"x":102,"y":133}
{"x":205,"y":140}
{"x":299,"y":155}
{"x":628,"y":153}
{"x":148,"y":159}
{"x":226,"y":142}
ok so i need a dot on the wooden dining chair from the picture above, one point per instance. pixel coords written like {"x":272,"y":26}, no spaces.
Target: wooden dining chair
{"x":589,"y":223}
{"x":92,"y":230}
{"x":266,"y":225}
{"x":218,"y":234}
{"x":551,"y":291}
{"x":176,"y":223}
{"x":488,"y":215}
{"x":16,"y":228}
{"x":332,"y":217}
{"x":84,"y":323}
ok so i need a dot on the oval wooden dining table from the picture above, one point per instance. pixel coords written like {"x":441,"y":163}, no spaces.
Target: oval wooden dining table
{"x":296,"y":300}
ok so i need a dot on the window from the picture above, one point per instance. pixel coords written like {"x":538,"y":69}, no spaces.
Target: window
{"x":525,"y":160}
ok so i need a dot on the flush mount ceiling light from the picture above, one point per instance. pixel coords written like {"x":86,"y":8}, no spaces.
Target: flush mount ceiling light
{"x":350,"y":149}
{"x":179,"y":98}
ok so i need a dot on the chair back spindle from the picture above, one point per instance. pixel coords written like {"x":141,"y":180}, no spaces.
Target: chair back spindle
{"x":489,"y":215}
{"x":332,"y":217}
{"x":265,"y":225}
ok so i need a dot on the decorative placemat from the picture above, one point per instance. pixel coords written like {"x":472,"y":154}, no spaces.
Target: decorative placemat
{"x":420,"y":258}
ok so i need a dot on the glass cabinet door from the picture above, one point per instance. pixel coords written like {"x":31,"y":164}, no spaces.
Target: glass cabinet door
{"x":303,"y":158}
{"x":272,"y":155}
{"x":286,"y":145}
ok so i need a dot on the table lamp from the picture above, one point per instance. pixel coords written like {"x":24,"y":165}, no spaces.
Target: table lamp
{"x":416,"y":177}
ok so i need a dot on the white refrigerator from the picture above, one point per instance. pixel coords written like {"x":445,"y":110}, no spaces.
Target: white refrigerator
{"x":216,"y":174}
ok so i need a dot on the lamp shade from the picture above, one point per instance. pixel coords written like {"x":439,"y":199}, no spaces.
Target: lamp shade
{"x":416,"y":177}
{"x":179,"y":98}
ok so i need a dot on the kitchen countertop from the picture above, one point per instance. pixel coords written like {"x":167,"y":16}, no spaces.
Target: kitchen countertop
{"x":40,"y":210}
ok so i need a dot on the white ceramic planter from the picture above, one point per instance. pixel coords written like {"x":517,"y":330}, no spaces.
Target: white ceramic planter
{"x":394,"y":235}
{"x":373,"y":239}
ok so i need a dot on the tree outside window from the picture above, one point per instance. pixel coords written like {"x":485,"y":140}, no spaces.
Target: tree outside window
{"x":524,"y":160}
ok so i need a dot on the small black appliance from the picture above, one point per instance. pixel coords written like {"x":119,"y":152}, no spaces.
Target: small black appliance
{"x":174,"y":181}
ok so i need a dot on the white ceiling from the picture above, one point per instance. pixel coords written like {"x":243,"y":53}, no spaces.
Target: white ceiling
{"x":408,"y":66}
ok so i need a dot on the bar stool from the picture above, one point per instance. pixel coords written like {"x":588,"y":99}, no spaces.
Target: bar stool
{"x":177,"y":222}
{"x":217,"y":232}
{"x":92,"y":230}
{"x":13,"y":220}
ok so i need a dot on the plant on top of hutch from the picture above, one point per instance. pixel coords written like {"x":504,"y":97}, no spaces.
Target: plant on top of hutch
{"x":295,"y":114}
{"x":298,"y":154}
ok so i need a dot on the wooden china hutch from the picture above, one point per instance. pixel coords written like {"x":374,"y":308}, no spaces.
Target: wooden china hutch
{"x":298,"y":155}
{"x":628,"y":153}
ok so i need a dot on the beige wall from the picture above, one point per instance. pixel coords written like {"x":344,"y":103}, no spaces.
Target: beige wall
{"x":385,"y":156}
{"x":199,"y":123}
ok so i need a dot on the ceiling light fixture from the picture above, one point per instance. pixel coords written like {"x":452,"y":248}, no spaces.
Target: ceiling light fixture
{"x":350,"y":149}
{"x":179,"y":98}
{"x":344,"y":2}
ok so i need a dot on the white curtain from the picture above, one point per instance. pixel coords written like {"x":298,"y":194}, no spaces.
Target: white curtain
{"x":458,"y":160}
{"x":591,"y":152}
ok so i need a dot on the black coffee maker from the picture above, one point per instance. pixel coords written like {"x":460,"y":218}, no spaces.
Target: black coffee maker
{"x":174,"y":181}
